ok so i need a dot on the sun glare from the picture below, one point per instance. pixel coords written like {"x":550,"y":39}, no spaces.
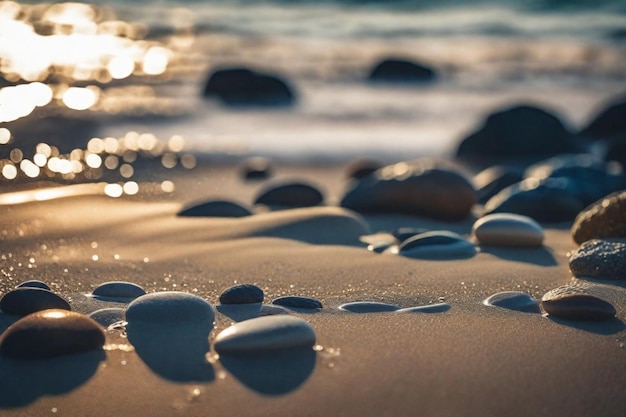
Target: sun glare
{"x":79,"y":98}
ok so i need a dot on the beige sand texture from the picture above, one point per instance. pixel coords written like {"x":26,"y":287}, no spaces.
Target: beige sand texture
{"x":472,"y":360}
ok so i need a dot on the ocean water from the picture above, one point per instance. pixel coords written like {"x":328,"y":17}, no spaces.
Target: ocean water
{"x":568,"y":56}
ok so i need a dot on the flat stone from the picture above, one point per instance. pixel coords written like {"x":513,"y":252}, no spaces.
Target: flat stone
{"x":33,"y":283}
{"x":437,"y":244}
{"x":508,"y":229}
{"x":118,"y":289}
{"x":241,"y":312}
{"x":26,"y":300}
{"x":169,"y":307}
{"x":265,"y":334}
{"x":215,"y":208}
{"x":242,"y":294}
{"x":297,"y":302}
{"x":399,"y":70}
{"x":606,"y":218}
{"x":600,"y":259}
{"x":426,"y":309}
{"x":107,"y":316}
{"x":51,"y":333}
{"x":513,"y":300}
{"x":293,"y":194}
{"x":368,"y":307}
{"x":571,"y":303}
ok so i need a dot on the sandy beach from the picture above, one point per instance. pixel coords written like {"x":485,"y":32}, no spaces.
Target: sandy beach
{"x":472,"y":359}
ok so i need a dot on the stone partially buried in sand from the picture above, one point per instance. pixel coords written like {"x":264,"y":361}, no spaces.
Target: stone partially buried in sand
{"x":418,"y":189}
{"x":26,"y":300}
{"x":169,"y":307}
{"x":606,"y":218}
{"x":265,"y":334}
{"x":291,"y":194}
{"x":242,"y":294}
{"x":513,"y":300}
{"x":51,"y":333}
{"x":214,"y":208}
{"x":600,"y":259}
{"x":437,"y":244}
{"x":368,"y":307}
{"x":292,"y":301}
{"x":108,"y":316}
{"x":508,"y":229}
{"x":118,"y":289}
{"x":398,"y":70}
{"x":34,"y":283}
{"x":572,"y":303}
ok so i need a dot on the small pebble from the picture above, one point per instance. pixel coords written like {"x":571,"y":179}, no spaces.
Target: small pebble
{"x":26,"y":300}
{"x":600,"y":259}
{"x":368,"y":307}
{"x":169,"y":307}
{"x":107,"y":316}
{"x":508,"y":229}
{"x":51,"y":333}
{"x":293,"y":194}
{"x":33,"y":283}
{"x":242,"y":294}
{"x":297,"y":302}
{"x":215,"y":208}
{"x":265,"y":334}
{"x":513,"y":300}
{"x":430,"y":308}
{"x":437,"y":244}
{"x":118,"y":289}
{"x":572,"y":303}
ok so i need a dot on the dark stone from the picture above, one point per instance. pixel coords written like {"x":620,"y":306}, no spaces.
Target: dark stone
{"x":571,"y":303}
{"x":418,"y":189}
{"x":256,"y":168}
{"x":616,"y":150}
{"x":439,"y":237}
{"x":290,"y":195}
{"x":380,"y":246}
{"x":548,"y":200}
{"x":609,"y":122}
{"x":606,"y":218}
{"x":214,"y":208}
{"x":51,"y":333}
{"x":494,"y":179}
{"x":118,"y":289}
{"x":27,"y":300}
{"x":33,"y":283}
{"x":246,"y":87}
{"x":107,"y":316}
{"x":426,"y":309}
{"x":404,"y":233}
{"x":297,"y":302}
{"x":518,"y":134}
{"x":601,"y":259}
{"x":362,"y":167}
{"x":242,"y":294}
{"x":368,"y":307}
{"x":394,"y":70}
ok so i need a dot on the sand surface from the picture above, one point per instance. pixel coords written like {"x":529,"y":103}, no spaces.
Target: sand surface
{"x":471,"y":360}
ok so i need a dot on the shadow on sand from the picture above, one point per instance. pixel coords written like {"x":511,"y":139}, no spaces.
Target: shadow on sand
{"x":605,"y":328}
{"x":537,"y":256}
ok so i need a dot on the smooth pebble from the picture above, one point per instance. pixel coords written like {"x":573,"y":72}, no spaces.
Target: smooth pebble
{"x":368,"y":307}
{"x":26,"y":300}
{"x":430,"y":308}
{"x":513,"y":300}
{"x":508,"y":229}
{"x":437,"y":244}
{"x":293,"y":194}
{"x":33,"y":283}
{"x":242,"y":294}
{"x":107,"y":316}
{"x":297,"y":302}
{"x":118,"y":289}
{"x":215,"y":208}
{"x":169,"y":307}
{"x":571,"y":303}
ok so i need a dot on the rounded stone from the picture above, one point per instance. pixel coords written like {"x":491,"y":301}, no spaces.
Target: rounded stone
{"x":265,"y":334}
{"x":418,"y":189}
{"x":600,"y":259}
{"x":293,"y":194}
{"x":513,"y":300}
{"x":508,"y":229}
{"x":368,"y":307}
{"x":571,"y":303}
{"x":606,"y":218}
{"x":26,"y":300}
{"x":426,"y":309}
{"x":107,"y":316}
{"x":51,"y":333}
{"x":494,"y":179}
{"x":169,"y":307}
{"x":33,"y":283}
{"x":118,"y":289}
{"x":404,"y":233}
{"x":609,"y":122}
{"x":214,"y":208}
{"x":437,"y":244}
{"x":398,"y":70}
{"x":242,"y":294}
{"x":297,"y":302}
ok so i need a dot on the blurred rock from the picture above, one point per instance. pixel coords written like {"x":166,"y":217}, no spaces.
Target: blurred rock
{"x":393,"y":70}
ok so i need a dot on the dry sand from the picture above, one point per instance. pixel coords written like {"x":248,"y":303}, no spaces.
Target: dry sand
{"x":471,"y":360}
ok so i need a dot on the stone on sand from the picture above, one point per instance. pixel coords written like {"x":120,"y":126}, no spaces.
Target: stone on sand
{"x":242,"y":294}
{"x":513,"y":300}
{"x":494,"y":179}
{"x":118,"y":289}
{"x":214,"y":208}
{"x":107,"y":316}
{"x":34,"y":283}
{"x":572,"y":303}
{"x":26,"y":300}
{"x":169,"y":307}
{"x":398,"y":70}
{"x":426,"y":309}
{"x":292,"y":301}
{"x":600,"y":259}
{"x":437,"y":244}
{"x":368,"y":307}
{"x":606,"y":218}
{"x":508,"y":229}
{"x":290,"y":194}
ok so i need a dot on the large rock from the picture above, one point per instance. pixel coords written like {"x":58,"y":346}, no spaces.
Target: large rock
{"x":419,"y":189}
{"x":600,"y":258}
{"x":522,"y":133}
{"x":606,"y":218}
{"x":393,"y":70}
{"x":610,"y":122}
{"x":246,"y":87}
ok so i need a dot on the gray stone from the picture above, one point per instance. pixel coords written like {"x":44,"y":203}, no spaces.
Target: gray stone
{"x":263,"y":334}
{"x":398,"y":70}
{"x":426,"y":309}
{"x":437,"y":244}
{"x":404,"y":233}
{"x":513,"y":300}
{"x":292,"y":194}
{"x":368,"y":307}
{"x":508,"y":229}
{"x":51,"y":333}
{"x":118,"y":289}
{"x":297,"y":302}
{"x":572,"y":303}
{"x":494,"y":179}
{"x":600,"y":258}
{"x":169,"y":307}
{"x":242,"y":294}
{"x":33,"y":283}
{"x":215,"y":208}
{"x":108,"y":316}
{"x":26,"y":300}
